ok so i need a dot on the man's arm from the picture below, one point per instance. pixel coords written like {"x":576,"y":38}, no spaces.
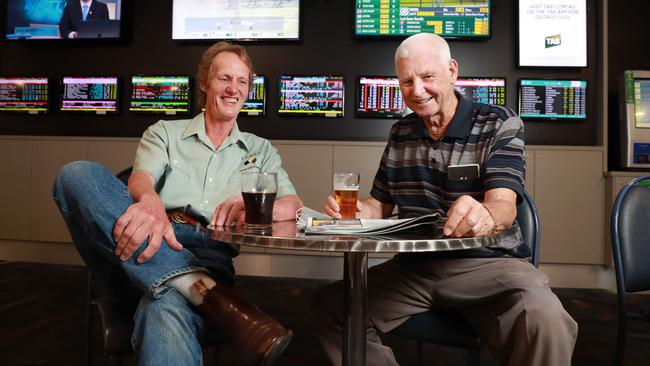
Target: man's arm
{"x":145,"y":218}
{"x":469,"y":217}
{"x":232,"y":210}
{"x":370,"y":208}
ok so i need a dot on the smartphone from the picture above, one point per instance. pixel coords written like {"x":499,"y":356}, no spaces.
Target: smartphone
{"x":466,"y":172}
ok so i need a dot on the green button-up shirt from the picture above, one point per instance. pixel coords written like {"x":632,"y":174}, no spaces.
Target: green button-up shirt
{"x":189,"y":170}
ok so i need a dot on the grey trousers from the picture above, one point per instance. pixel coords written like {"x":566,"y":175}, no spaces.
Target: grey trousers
{"x":507,"y":300}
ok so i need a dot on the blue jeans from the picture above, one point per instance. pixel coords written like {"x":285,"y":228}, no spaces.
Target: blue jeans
{"x":167,"y":328}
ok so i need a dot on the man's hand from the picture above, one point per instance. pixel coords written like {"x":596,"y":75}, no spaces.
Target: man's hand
{"x":229,"y":211}
{"x":368,"y":208}
{"x":468,"y":217}
{"x":143,"y":219}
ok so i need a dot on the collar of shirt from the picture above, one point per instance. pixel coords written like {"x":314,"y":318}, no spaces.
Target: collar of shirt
{"x":196,"y":127}
{"x":89,"y":3}
{"x":460,"y":125}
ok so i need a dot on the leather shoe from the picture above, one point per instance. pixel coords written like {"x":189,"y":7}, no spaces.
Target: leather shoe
{"x":258,"y":338}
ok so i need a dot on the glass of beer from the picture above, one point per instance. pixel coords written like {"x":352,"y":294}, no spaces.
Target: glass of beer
{"x":259,"y":190}
{"x":346,"y":192}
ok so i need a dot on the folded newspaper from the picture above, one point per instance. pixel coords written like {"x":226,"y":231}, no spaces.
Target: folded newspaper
{"x":312,"y":222}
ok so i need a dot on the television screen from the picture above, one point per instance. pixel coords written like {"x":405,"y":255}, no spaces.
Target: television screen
{"x":552,"y":99}
{"x":255,"y":104}
{"x":56,"y":19}
{"x":483,"y":89}
{"x":24,"y":95}
{"x":379,"y":97}
{"x":89,"y":94}
{"x":235,"y":19}
{"x":452,"y":19}
{"x":160,"y":94}
{"x":311,"y":95}
{"x":553,"y":33}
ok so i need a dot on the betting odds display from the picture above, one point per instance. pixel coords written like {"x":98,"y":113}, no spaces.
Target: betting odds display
{"x":24,"y":95}
{"x":553,"y":99}
{"x":89,"y":94}
{"x":447,"y":18}
{"x":311,"y":95}
{"x":160,"y":94}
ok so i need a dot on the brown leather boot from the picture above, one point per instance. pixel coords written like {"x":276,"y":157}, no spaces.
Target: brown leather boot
{"x":258,"y":338}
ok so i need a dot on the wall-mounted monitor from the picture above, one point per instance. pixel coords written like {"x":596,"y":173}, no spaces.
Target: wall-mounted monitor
{"x":552,"y":33}
{"x":255,"y":104}
{"x":160,"y":94}
{"x":450,"y":19}
{"x":545,"y":100}
{"x":379,"y":97}
{"x":483,"y":89}
{"x":63,"y":19}
{"x":236,"y":20}
{"x":89,"y":94}
{"x":311,"y":96}
{"x":24,"y":95}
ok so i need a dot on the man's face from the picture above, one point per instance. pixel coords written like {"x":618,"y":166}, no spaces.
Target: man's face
{"x":427,"y":83}
{"x":227,"y":89}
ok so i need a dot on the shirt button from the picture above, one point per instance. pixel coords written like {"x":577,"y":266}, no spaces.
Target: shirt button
{"x":206,"y":201}
{"x":175,"y":161}
{"x":209,"y":179}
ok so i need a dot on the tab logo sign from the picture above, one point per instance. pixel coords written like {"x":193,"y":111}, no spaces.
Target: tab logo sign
{"x":553,"y":41}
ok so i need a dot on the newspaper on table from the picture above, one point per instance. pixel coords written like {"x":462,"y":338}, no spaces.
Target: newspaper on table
{"x":312,"y":222}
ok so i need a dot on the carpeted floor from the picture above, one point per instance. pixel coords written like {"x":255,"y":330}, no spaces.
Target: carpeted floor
{"x":42,"y":310}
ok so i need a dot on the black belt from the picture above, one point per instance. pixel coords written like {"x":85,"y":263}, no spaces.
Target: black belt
{"x":185,"y":216}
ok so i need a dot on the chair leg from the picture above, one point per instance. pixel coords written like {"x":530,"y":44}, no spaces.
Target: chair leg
{"x":621,"y":339}
{"x":473,"y":357}
{"x":115,"y":360}
{"x":89,"y":318}
{"x":420,"y":354}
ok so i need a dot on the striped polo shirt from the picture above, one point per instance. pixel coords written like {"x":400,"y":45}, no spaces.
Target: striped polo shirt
{"x":413,"y":171}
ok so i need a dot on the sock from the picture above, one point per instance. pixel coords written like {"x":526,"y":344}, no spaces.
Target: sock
{"x":183,"y":284}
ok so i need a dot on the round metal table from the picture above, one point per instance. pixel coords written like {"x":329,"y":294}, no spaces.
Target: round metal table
{"x":283,"y":235}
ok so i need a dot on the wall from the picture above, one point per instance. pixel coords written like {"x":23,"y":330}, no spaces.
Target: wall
{"x":628,"y":49}
{"x":327,"y":46}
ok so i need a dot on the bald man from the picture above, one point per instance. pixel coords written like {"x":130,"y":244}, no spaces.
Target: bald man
{"x":505,"y":298}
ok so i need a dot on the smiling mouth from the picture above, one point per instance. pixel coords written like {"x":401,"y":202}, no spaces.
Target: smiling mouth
{"x":230,"y":100}
{"x":422,"y":101}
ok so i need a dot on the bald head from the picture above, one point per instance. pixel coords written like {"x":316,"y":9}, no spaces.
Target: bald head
{"x":424,"y":42}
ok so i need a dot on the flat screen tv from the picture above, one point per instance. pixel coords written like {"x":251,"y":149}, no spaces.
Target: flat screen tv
{"x":255,"y":104}
{"x":89,"y":94}
{"x":558,"y":100}
{"x":379,"y":97}
{"x":311,"y":96}
{"x":552,"y":33}
{"x":449,"y":19}
{"x":160,"y":94}
{"x":485,"y":90}
{"x":24,"y":95}
{"x":235,"y":20}
{"x":63,"y":19}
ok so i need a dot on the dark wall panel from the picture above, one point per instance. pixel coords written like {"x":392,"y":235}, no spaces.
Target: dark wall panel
{"x":327,"y":46}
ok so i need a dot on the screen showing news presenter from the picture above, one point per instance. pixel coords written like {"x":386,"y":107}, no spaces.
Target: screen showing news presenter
{"x":63,"y":19}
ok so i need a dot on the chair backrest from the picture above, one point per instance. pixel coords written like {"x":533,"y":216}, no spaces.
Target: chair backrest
{"x":124,"y":175}
{"x":630,"y":229}
{"x":528,"y":221}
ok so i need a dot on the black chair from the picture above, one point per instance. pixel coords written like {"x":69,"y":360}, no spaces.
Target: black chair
{"x":631,"y":250}
{"x":116,"y":304}
{"x":450,"y":328}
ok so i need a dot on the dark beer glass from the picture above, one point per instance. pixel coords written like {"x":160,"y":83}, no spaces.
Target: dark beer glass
{"x":259,"y":190}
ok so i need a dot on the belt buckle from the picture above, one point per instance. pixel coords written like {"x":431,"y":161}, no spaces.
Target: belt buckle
{"x":178,"y":217}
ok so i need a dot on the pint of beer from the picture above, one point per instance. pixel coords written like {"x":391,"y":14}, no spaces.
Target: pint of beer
{"x":346,"y":192}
